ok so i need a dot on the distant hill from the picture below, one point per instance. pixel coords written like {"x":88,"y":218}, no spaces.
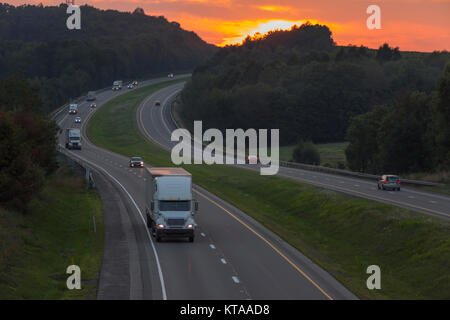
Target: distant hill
{"x":35,"y":42}
{"x":302,"y":83}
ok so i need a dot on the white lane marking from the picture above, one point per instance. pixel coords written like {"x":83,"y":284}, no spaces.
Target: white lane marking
{"x":223,"y":261}
{"x":356,"y":185}
{"x":235,"y":279}
{"x":212,"y":246}
{"x":411,"y":197}
{"x":431,"y":201}
{"x":203,"y":235}
{"x":161,"y":278}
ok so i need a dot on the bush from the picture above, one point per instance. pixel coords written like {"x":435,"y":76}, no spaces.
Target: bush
{"x":306,"y":152}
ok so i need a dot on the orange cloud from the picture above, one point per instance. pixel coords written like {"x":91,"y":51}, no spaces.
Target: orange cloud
{"x":416,"y":25}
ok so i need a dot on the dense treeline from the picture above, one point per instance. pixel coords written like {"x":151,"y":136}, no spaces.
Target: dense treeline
{"x":35,"y":42}
{"x":302,"y":83}
{"x":413,"y":135}
{"x":27,"y":143}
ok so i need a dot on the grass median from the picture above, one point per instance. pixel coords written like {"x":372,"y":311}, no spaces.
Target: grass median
{"x":37,"y":247}
{"x":343,"y":234}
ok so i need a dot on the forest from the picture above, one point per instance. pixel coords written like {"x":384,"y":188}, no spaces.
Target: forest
{"x":301,"y":82}
{"x":36,"y":44}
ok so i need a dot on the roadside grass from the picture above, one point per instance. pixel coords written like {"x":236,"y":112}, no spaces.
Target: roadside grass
{"x":343,"y":234}
{"x":36,"y":248}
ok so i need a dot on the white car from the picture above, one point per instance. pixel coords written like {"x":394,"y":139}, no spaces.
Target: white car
{"x":77,"y":120}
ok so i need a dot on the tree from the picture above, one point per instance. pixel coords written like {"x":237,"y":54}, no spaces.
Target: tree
{"x":362,"y":150}
{"x":306,"y":152}
{"x":386,"y":53}
{"x":20,"y":178}
{"x":443,"y":120}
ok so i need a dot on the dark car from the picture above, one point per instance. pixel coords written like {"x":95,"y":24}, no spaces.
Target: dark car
{"x":157,"y":103}
{"x":389,"y":181}
{"x":136,"y":162}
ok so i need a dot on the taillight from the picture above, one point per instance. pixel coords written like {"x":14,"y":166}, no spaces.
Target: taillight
{"x":386,"y":181}
{"x":398,"y":181}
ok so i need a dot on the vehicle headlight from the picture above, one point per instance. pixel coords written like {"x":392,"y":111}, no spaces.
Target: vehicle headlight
{"x":160,"y":226}
{"x":190,"y":226}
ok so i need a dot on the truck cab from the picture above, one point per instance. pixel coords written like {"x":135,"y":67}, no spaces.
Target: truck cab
{"x":117,"y":85}
{"x":91,"y":96}
{"x":73,"y":138}
{"x":170,"y":207}
{"x":73,"y":108}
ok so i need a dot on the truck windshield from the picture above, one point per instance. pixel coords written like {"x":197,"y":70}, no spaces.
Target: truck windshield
{"x":174,"y":205}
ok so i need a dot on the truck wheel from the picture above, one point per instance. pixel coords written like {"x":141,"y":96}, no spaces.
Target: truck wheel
{"x":158,"y":237}
{"x":191,"y":239}
{"x":149,"y":223}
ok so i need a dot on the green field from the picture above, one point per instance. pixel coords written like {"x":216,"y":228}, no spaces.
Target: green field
{"x":342,"y":234}
{"x":36,"y":248}
{"x":330,"y":153}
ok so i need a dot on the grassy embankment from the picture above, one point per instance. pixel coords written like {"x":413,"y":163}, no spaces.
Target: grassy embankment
{"x":37,"y":247}
{"x":343,"y":234}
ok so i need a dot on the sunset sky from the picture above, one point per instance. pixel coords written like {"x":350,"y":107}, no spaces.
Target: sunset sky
{"x":414,"y":25}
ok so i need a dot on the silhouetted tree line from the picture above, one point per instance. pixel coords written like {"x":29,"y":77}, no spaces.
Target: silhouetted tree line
{"x":27,"y":143}
{"x":111,"y":45}
{"x":413,"y":135}
{"x":302,"y":83}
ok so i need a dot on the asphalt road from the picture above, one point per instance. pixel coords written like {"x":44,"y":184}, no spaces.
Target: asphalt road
{"x":156,"y":123}
{"x":232,"y":257}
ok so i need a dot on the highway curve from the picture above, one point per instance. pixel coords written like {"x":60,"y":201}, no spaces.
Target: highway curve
{"x":157,"y":124}
{"x":232,"y":257}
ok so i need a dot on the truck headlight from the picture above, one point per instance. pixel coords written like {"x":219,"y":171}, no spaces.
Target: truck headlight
{"x":160,"y":226}
{"x":190,"y":226}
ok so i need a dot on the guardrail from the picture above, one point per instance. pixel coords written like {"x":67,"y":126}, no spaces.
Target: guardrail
{"x":78,"y":165}
{"x":352,"y":173}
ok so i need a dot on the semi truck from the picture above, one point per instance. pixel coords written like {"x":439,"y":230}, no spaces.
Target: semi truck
{"x":169,"y":205}
{"x":91,"y":96}
{"x":117,"y":85}
{"x":73,"y":138}
{"x":73,"y":108}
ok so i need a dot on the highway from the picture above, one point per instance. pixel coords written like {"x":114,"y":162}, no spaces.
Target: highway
{"x":232,"y":257}
{"x":157,"y":124}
